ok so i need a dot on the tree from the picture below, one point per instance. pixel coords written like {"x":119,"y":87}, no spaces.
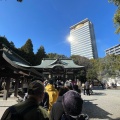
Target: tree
{"x":19,"y":0}
{"x":91,"y":74}
{"x":28,"y":47}
{"x":4,"y":40}
{"x":106,"y":67}
{"x":55,"y":55}
{"x":82,"y":61}
{"x":40,"y":55}
{"x":116,"y":2}
{"x":27,"y":50}
{"x":112,"y":65}
{"x":12,"y":44}
{"x":117,"y":15}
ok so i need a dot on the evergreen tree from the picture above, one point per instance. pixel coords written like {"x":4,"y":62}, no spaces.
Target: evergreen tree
{"x":40,"y":55}
{"x":12,"y":44}
{"x":28,"y":47}
{"x":4,"y":41}
{"x":55,"y":55}
{"x":19,"y":0}
{"x":27,"y":51}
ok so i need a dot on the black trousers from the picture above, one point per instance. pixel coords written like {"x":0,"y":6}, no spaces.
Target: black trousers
{"x":88,"y":91}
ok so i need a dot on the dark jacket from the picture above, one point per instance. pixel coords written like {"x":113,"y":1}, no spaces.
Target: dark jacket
{"x":45,"y":101}
{"x":27,"y":110}
{"x":57,"y":109}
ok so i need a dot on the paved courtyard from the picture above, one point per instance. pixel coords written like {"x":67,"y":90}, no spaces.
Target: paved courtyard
{"x":102,"y":105}
{"x":4,"y":104}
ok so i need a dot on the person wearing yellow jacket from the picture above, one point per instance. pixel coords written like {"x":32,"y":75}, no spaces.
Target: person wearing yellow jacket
{"x":52,"y":92}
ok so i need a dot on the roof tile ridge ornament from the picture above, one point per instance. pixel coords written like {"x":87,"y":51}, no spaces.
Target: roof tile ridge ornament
{"x":58,"y":61}
{"x":54,"y":62}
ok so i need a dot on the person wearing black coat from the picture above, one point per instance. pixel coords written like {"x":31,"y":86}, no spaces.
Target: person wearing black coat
{"x":45,"y":101}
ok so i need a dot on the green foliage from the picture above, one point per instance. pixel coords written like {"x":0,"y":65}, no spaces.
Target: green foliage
{"x":28,"y":47}
{"x":27,"y":51}
{"x":4,"y":40}
{"x":12,"y":44}
{"x":116,"y":15}
{"x":82,"y":61}
{"x":51,"y":55}
{"x":116,"y":2}
{"x":108,"y":66}
{"x":40,"y":55}
{"x":8,"y":44}
{"x":117,"y":20}
{"x":91,"y":74}
{"x":55,"y":55}
{"x":19,"y":0}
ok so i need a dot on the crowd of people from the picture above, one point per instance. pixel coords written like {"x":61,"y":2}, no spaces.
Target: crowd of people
{"x":49,"y":100}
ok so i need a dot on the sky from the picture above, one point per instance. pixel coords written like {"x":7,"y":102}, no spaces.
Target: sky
{"x":48,"y":22}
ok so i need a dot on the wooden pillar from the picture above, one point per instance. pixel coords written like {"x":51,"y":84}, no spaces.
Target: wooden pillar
{"x":22,"y":84}
{"x":7,"y":87}
{"x":66,"y":76}
{"x":16,"y":87}
{"x":74,"y":76}
{"x":64,"y":79}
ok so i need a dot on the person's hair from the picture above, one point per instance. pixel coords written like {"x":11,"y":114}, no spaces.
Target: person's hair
{"x":36,"y":88}
{"x":75,"y":87}
{"x":62,"y":91}
{"x":51,"y":81}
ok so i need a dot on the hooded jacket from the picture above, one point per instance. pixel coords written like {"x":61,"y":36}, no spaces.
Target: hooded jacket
{"x":53,"y":94}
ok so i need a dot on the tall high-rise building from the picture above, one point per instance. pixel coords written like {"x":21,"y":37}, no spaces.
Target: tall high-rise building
{"x":82,"y":40}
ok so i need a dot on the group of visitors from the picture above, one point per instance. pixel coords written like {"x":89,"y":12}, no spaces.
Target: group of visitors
{"x":47,"y":100}
{"x":88,"y":88}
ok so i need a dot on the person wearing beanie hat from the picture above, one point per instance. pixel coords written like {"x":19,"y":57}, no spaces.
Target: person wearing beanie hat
{"x":29,"y":109}
{"x":72,"y":104}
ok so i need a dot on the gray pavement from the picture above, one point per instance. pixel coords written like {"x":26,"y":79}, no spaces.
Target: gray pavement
{"x":102,"y":105}
{"x":4,"y":104}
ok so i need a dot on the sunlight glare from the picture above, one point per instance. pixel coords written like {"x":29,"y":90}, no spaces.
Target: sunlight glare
{"x":70,"y":39}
